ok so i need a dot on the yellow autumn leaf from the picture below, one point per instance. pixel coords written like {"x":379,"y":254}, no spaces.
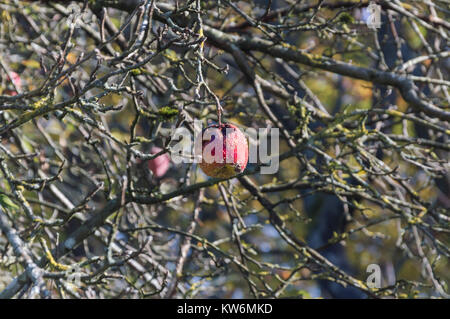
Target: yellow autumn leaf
{"x":72,"y":58}
{"x":31,"y":64}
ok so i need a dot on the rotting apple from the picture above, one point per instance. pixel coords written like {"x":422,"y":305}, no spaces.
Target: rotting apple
{"x":232,"y":151}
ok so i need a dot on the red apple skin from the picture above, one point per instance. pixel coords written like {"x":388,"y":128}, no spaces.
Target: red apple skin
{"x":234,"y":152}
{"x":17,"y":82}
{"x":159,"y":165}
